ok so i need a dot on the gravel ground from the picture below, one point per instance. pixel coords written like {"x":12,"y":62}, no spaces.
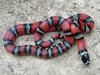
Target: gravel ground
{"x":24,"y":11}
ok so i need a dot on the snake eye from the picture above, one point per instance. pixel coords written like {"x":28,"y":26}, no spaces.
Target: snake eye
{"x":85,"y":58}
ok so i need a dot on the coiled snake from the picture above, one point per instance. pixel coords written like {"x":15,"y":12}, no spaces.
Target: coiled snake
{"x":72,"y":29}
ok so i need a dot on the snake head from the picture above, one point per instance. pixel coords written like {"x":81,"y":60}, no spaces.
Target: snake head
{"x":85,"y":58}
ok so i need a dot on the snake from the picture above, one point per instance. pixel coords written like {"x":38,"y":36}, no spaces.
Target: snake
{"x":67,"y":30}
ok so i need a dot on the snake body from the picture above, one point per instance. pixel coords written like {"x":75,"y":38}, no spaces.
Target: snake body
{"x":72,"y":29}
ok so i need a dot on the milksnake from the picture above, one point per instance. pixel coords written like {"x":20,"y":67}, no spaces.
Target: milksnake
{"x":68,"y":30}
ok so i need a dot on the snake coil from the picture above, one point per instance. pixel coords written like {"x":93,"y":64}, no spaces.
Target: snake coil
{"x":72,"y":29}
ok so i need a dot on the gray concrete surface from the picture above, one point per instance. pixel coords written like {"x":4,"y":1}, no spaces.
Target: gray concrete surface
{"x":24,"y":11}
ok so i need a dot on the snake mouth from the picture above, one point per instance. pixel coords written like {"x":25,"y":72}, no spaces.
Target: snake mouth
{"x":87,"y":63}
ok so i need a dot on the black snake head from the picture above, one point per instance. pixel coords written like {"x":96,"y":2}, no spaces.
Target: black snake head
{"x":85,"y":58}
